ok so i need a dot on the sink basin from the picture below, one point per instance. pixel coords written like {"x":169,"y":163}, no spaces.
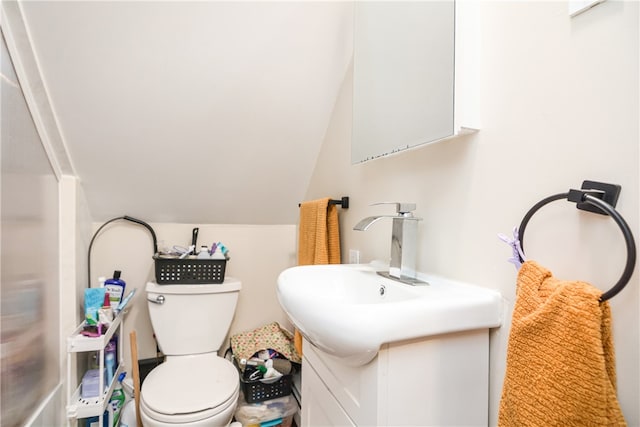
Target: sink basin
{"x":349,"y":311}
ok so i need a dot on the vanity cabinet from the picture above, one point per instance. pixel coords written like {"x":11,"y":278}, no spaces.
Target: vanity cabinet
{"x":77,"y":406}
{"x":437,"y":380}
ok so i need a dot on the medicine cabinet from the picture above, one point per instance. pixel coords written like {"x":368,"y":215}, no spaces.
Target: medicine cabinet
{"x":404,"y":76}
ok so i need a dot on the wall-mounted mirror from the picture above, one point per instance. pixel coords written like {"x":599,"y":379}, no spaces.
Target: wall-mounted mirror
{"x":403,"y":76}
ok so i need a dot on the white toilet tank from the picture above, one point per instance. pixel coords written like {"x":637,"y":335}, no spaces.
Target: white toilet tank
{"x":192,"y":319}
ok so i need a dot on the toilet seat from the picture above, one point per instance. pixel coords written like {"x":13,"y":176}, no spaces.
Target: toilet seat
{"x":186,"y":389}
{"x":220,"y":415}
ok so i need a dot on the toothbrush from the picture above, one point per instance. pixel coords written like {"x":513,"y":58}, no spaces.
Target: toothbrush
{"x":187,"y":252}
{"x":223,"y":248}
{"x":125,"y":301}
{"x":194,"y":239}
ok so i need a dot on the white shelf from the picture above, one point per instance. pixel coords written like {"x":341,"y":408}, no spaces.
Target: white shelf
{"x":81,"y":407}
{"x":77,"y":406}
{"x":78,"y":343}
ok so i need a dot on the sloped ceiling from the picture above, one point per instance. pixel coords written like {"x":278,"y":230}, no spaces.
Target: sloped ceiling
{"x":192,"y":112}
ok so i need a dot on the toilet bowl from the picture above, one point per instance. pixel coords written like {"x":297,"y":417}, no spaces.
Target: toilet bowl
{"x":194,"y":386}
{"x":199,"y":390}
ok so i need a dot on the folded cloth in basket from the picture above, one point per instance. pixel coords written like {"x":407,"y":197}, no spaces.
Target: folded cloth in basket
{"x":272,"y":336}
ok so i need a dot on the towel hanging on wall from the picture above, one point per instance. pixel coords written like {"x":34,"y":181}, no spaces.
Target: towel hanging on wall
{"x":560,"y":358}
{"x":318,"y":235}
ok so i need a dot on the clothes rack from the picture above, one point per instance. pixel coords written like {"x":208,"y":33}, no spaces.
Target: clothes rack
{"x":598,"y":198}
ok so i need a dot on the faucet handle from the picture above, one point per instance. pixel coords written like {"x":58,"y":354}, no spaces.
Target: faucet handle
{"x":401,"y":208}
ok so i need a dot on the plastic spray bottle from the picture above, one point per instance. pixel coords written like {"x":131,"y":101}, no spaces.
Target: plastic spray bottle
{"x":115,"y":287}
{"x":117,"y":400}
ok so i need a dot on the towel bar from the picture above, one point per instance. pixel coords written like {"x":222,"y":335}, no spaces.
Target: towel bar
{"x":595,"y":197}
{"x":344,"y":202}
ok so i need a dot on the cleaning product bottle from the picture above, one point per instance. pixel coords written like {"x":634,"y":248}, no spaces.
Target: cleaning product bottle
{"x":117,"y":400}
{"x":115,"y":287}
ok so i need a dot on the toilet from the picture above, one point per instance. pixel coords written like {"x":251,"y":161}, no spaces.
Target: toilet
{"x":194,"y":386}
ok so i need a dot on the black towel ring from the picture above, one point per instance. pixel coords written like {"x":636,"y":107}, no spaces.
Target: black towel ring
{"x":583,"y":196}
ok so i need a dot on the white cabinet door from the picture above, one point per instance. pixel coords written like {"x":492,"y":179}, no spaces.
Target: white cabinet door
{"x":319,"y":407}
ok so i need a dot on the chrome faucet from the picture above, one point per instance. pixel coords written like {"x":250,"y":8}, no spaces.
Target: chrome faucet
{"x":404,"y":237}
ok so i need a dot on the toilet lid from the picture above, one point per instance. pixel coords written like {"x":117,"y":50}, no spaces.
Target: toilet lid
{"x":189,"y":384}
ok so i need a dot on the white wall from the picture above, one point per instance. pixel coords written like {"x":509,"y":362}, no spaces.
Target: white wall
{"x":258,"y":254}
{"x":203,"y":81}
{"x":559,"y":104}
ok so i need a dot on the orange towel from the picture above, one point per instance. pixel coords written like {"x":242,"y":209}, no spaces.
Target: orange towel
{"x":560,"y":358}
{"x":318,"y":239}
{"x":318,"y":236}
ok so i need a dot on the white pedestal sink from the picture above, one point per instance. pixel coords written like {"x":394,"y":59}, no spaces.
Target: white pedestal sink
{"x":379,"y":352}
{"x":349,"y":311}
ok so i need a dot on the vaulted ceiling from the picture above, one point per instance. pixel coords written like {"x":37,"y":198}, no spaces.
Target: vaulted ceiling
{"x":192,"y":112}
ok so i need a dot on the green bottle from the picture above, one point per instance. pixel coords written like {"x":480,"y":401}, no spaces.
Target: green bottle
{"x":117,"y":400}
